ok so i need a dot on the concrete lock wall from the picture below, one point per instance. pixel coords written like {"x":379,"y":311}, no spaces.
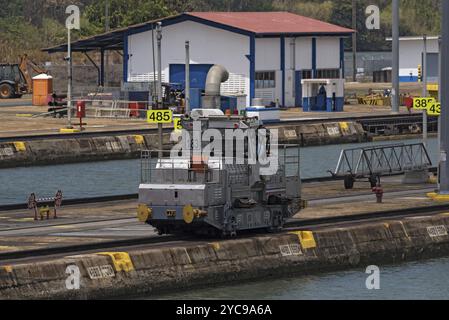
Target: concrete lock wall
{"x":59,"y":151}
{"x":149,"y":271}
{"x":323,"y":134}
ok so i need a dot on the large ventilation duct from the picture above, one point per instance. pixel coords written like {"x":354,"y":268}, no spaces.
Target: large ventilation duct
{"x":216,"y":76}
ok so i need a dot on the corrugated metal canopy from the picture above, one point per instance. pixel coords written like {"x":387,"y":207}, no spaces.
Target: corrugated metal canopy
{"x":107,"y":41}
{"x":113,"y":40}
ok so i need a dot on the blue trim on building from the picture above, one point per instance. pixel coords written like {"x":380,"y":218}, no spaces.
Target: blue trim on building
{"x":102,"y":67}
{"x":314,"y":73}
{"x":252,"y":68}
{"x":408,"y":79}
{"x":283,"y":69}
{"x":125,"y":57}
{"x":342,"y":57}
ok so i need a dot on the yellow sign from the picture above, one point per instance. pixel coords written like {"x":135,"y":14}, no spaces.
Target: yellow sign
{"x":178,"y":125}
{"x":422,"y":103}
{"x":159,"y":116}
{"x":434,"y":109}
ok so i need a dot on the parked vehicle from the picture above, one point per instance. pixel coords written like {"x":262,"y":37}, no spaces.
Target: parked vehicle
{"x":16,"y":80}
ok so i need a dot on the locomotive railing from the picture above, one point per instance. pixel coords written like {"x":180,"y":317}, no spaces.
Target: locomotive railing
{"x":156,"y":169}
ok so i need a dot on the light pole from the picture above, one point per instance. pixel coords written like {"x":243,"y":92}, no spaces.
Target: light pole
{"x":106,"y":54}
{"x":395,"y":72}
{"x":159,"y":77}
{"x":187,"y":86}
{"x":424,"y":91}
{"x":444,"y":91}
{"x":354,"y":40}
{"x":69,"y":80}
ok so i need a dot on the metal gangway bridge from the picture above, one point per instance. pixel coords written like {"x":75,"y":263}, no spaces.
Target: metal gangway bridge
{"x":374,"y":162}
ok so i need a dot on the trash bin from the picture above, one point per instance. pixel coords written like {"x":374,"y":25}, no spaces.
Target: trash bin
{"x":137,"y":109}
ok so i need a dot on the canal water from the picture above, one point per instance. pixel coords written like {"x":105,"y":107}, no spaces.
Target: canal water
{"x":106,"y":178}
{"x":423,"y":280}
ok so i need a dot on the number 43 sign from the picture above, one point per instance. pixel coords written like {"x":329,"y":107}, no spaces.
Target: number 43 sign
{"x":433,"y":107}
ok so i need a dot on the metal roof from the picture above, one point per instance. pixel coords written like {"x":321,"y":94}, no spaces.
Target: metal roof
{"x":266,"y":23}
{"x":249,"y":23}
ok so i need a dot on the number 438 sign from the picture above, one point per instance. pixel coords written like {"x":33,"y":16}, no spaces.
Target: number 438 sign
{"x":433,"y":107}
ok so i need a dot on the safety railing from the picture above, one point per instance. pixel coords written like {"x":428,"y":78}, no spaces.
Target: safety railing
{"x":160,"y":167}
{"x":114,"y":109}
{"x":164,"y":167}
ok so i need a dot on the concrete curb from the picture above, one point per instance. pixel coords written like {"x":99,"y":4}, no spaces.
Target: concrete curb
{"x":151,"y":271}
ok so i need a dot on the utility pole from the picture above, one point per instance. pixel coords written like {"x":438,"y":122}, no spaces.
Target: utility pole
{"x":354,"y":40}
{"x":106,"y":28}
{"x":424,"y":90}
{"x":439,"y":99}
{"x":395,"y":72}
{"x":159,"y":77}
{"x":444,"y":90}
{"x":187,"y":85}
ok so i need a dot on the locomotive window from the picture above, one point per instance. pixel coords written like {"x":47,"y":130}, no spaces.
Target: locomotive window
{"x":176,"y":194}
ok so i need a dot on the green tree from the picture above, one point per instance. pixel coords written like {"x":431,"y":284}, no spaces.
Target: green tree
{"x":125,"y":13}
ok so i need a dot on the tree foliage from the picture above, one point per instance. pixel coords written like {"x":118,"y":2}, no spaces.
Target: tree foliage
{"x":28,"y":25}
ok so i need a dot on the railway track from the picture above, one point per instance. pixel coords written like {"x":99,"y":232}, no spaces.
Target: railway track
{"x":292,"y":225}
{"x":102,"y":199}
{"x":365,"y":118}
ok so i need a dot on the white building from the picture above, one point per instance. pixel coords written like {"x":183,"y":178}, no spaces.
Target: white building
{"x":266,"y":53}
{"x":411,"y":57}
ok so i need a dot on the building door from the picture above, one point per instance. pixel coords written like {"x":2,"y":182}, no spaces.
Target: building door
{"x":298,"y":88}
{"x":198,"y":74}
{"x":433,"y":62}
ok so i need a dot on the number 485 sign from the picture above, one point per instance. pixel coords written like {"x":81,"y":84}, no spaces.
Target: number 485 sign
{"x":159,"y":116}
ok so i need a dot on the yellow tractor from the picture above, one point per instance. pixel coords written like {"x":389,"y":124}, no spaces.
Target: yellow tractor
{"x":16,"y":79}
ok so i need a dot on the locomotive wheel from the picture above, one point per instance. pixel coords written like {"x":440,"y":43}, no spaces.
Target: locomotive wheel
{"x":6,"y":91}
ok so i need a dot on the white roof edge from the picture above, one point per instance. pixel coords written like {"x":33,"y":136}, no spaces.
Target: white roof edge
{"x":414,"y":38}
{"x":42,"y":76}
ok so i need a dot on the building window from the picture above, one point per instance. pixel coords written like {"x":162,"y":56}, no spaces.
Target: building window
{"x":328,"y":74}
{"x":265,"y":80}
{"x":306,"y":74}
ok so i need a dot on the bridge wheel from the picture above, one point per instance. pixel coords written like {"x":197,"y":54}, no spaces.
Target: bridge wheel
{"x":6,"y":91}
{"x":349,"y":182}
{"x":373,"y":180}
